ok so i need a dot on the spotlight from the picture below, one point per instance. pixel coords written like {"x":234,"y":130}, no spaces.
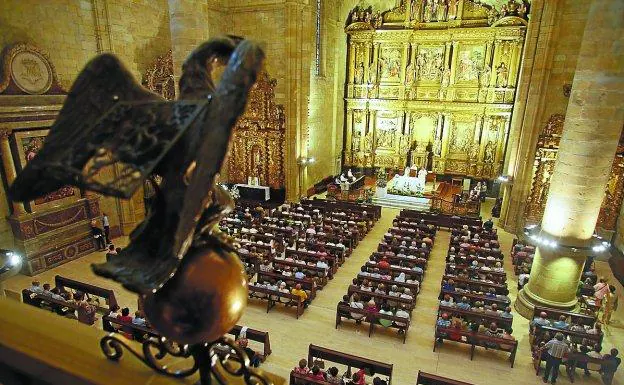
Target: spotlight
{"x":14,"y":259}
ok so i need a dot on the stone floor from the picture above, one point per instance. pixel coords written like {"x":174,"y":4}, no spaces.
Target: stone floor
{"x":290,"y":337}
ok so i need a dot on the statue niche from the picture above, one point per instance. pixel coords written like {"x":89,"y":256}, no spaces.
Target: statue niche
{"x":258,"y":143}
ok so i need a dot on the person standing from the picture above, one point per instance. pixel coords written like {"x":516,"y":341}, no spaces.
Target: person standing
{"x":97,"y":234}
{"x":106,"y":226}
{"x":556,"y":349}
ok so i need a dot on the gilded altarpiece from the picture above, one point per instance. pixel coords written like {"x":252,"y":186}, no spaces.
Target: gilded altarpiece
{"x":546,"y":152}
{"x":257,"y":149}
{"x":432,"y":84}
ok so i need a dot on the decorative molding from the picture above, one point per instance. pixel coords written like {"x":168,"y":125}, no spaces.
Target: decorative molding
{"x":27,"y":70}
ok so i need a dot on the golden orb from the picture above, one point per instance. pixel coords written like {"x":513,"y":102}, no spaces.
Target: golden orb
{"x":203,"y":300}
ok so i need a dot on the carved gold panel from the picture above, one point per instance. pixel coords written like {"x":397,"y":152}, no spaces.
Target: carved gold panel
{"x":456,"y":60}
{"x":257,"y":149}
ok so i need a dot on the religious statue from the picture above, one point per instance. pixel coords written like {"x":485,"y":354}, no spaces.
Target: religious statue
{"x":446,"y":77}
{"x":453,"y":9}
{"x":492,"y":16}
{"x":489,"y":152}
{"x":501,"y":75}
{"x":415,"y":9}
{"x":474,"y":152}
{"x":427,"y":15}
{"x":372,"y":73}
{"x":185,"y":270}
{"x":359,"y":73}
{"x":410,"y":72}
{"x":522,"y":10}
{"x":421,"y":63}
{"x":484,"y":77}
{"x":404,"y":144}
{"x":441,"y":11}
{"x":377,"y":20}
{"x":368,"y":142}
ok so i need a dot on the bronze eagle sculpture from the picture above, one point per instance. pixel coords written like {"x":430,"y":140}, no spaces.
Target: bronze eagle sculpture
{"x":112,"y":134}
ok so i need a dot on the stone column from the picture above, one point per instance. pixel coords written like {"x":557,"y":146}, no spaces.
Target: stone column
{"x":591,"y":132}
{"x":9,"y":170}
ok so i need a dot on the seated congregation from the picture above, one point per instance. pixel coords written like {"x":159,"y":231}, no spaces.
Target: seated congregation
{"x":291,"y":251}
{"x":474,"y":305}
{"x":385,"y":290}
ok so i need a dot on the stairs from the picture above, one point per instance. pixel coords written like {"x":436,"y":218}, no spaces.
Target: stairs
{"x":403,"y":202}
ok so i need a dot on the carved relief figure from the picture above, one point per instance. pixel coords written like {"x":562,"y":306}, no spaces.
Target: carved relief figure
{"x":377,"y":20}
{"x":385,"y":138}
{"x":429,"y":62}
{"x":470,"y":60}
{"x":446,"y":77}
{"x":502,"y":72}
{"x":359,"y":73}
{"x":390,"y":64}
{"x":484,"y":77}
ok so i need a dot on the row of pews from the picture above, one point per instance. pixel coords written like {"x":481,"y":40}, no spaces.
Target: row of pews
{"x":298,"y":247}
{"x":351,"y":367}
{"x":474,"y":305}
{"x":384,"y":292}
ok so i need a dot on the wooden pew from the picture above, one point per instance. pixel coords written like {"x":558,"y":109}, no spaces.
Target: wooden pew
{"x":377,"y":256}
{"x":344,"y":311}
{"x":498,"y":277}
{"x":63,"y":283}
{"x":389,"y":283}
{"x":502,"y":322}
{"x":501,"y":303}
{"x":500,"y":289}
{"x":46,"y":302}
{"x":554,"y":314}
{"x":351,"y":361}
{"x":475,"y":339}
{"x":294,"y":299}
{"x":396,"y":270}
{"x":319,"y":271}
{"x":432,"y":379}
{"x":409,"y":303}
{"x":307,"y":284}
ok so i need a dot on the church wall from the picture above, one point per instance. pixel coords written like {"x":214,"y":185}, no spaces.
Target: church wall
{"x":326,"y":108}
{"x":72,"y":32}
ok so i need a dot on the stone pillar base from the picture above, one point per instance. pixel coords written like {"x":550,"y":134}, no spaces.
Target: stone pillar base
{"x":526,"y":302}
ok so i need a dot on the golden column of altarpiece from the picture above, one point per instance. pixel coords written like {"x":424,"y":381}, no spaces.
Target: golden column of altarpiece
{"x":432,"y":85}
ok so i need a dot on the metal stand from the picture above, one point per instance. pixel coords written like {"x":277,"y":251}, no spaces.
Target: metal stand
{"x":211,"y":366}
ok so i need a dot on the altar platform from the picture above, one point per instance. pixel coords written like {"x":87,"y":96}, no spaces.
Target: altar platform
{"x":403,"y":202}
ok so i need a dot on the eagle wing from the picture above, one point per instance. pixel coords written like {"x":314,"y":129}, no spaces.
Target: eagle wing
{"x":109,"y":135}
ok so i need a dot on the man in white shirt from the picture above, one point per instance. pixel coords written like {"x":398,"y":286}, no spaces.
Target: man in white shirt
{"x":402,"y":313}
{"x":36,"y":287}
{"x":299,"y":274}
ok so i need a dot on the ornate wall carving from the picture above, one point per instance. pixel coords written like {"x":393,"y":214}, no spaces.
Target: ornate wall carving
{"x":159,"y":78}
{"x":446,"y":71}
{"x":546,"y":152}
{"x":257,"y":148}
